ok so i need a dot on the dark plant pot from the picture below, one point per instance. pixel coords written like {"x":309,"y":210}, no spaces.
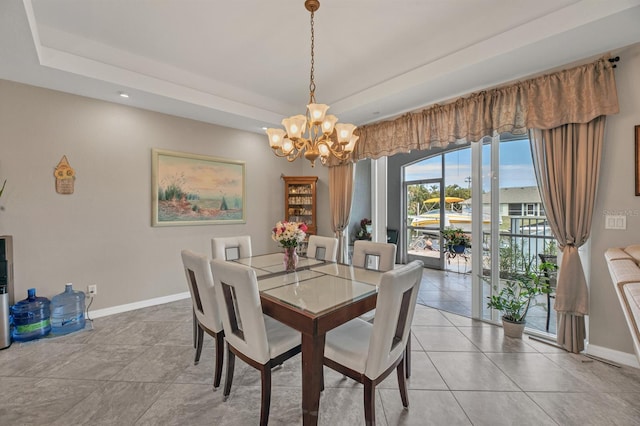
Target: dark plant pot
{"x":457,"y":248}
{"x":513,"y":329}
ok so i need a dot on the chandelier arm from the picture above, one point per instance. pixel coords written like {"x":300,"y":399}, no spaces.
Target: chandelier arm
{"x":339,"y":153}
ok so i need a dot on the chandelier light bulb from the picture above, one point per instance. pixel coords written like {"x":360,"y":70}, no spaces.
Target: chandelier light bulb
{"x":345,"y":131}
{"x":324,"y":150}
{"x":328,"y":124}
{"x":275,"y":137}
{"x":287,"y":146}
{"x":317,"y":112}
{"x":352,"y":144}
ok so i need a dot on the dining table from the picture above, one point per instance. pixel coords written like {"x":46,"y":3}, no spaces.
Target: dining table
{"x":314,"y":299}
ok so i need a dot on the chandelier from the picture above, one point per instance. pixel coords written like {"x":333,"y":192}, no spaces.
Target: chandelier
{"x":315,"y":134}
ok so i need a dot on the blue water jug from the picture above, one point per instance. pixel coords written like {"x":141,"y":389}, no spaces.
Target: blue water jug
{"x":30,"y":317}
{"x":67,"y":311}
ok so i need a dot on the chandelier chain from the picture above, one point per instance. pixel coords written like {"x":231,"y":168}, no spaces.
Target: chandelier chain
{"x":312,"y":82}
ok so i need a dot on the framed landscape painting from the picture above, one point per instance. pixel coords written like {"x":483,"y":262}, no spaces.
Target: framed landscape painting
{"x":191,"y":189}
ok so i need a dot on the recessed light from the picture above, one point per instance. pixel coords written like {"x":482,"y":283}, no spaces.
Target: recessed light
{"x":123,"y":94}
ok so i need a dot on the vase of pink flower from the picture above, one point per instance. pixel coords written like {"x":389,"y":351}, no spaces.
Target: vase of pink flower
{"x":289,"y":235}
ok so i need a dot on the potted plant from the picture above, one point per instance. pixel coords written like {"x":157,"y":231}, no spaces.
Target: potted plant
{"x":364,"y":233}
{"x":516,"y":295}
{"x":456,"y":239}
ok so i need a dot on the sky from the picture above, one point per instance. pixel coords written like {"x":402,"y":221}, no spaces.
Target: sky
{"x":516,"y":166}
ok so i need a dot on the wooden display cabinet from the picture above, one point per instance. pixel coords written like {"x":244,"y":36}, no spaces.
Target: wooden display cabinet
{"x":300,"y":201}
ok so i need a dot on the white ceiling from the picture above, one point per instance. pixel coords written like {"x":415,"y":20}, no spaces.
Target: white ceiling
{"x":245,"y":63}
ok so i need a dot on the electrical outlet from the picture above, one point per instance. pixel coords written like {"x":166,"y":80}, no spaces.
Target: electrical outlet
{"x":92,"y":290}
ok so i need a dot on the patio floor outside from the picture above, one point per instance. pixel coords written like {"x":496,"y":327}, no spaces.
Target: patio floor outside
{"x":450,"y":290}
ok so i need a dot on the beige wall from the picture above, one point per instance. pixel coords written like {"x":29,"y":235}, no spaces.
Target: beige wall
{"x":607,"y":328}
{"x":102,"y":233}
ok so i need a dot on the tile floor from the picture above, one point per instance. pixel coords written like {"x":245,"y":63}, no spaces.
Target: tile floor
{"x":136,"y":368}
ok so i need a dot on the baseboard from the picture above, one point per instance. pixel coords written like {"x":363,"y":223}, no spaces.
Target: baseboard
{"x":611,"y":355}
{"x":138,"y":305}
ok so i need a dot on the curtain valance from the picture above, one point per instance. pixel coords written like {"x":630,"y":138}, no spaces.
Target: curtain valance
{"x":576,"y":95}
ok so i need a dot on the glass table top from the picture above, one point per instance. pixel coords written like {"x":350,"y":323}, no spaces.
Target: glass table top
{"x":319,"y":293}
{"x":273,"y":263}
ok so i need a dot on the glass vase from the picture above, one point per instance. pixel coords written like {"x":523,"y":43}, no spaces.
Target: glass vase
{"x":290,"y":259}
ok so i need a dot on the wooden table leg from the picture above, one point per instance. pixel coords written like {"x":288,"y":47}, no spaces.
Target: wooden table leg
{"x":312,"y":364}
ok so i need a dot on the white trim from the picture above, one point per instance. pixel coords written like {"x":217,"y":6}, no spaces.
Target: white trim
{"x":611,"y":355}
{"x":379,"y":199}
{"x":138,"y":305}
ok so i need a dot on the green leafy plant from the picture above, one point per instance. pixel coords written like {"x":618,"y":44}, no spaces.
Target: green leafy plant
{"x":517,"y":294}
{"x":456,"y":237}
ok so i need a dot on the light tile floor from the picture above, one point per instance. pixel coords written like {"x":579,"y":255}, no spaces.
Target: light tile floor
{"x":136,"y":368}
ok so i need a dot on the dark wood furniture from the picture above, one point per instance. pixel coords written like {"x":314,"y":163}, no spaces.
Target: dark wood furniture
{"x":300,"y":201}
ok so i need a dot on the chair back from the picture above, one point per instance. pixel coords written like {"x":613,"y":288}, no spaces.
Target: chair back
{"x":203,"y":296}
{"x":322,"y":248}
{"x":373,"y":255}
{"x":231,"y":248}
{"x":239,"y":300}
{"x":397,"y":296}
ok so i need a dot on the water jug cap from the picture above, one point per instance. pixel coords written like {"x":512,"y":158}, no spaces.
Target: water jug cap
{"x":31,"y":293}
{"x":68,"y":286}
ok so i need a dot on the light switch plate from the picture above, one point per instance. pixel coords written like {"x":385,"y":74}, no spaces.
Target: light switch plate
{"x":615,"y":222}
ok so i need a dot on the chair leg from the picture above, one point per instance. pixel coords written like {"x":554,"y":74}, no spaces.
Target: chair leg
{"x":195,"y":329}
{"x":369,"y":403}
{"x":407,"y":357}
{"x":231,"y":361}
{"x":200,"y":341}
{"x":266,"y":395}
{"x":402,"y":384}
{"x":219,"y":359}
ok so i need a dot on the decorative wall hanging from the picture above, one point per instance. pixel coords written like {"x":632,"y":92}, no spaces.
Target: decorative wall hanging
{"x":65,"y":177}
{"x":191,"y":189}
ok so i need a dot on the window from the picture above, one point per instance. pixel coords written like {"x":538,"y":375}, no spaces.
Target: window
{"x":515,"y":209}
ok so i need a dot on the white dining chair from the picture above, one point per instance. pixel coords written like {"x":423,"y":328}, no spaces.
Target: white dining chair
{"x":231,"y":248}
{"x":205,"y":307}
{"x":322,"y":248}
{"x":258,"y":340}
{"x":227,"y":248}
{"x":367,"y":352}
{"x":374,"y":255}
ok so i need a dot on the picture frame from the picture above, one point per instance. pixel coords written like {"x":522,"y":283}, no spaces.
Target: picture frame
{"x":637,"y":160}
{"x":193,"y":189}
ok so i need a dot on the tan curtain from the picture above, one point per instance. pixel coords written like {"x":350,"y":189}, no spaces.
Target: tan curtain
{"x":340,"y":195}
{"x":576,"y":95}
{"x":566,"y":160}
